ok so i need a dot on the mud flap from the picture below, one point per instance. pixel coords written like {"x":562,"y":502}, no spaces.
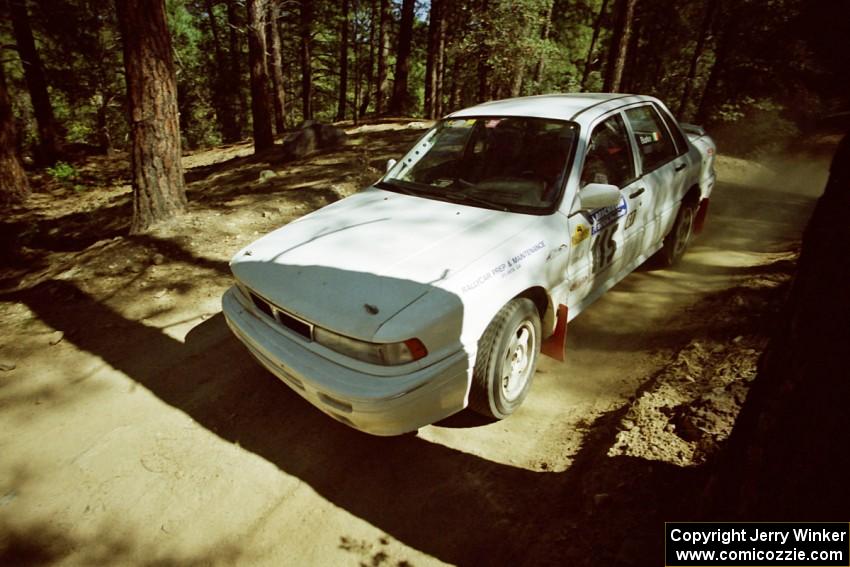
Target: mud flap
{"x":699,"y":220}
{"x":556,"y":345}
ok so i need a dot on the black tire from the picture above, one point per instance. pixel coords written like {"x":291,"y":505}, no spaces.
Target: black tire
{"x":676,"y":243}
{"x":507,"y":360}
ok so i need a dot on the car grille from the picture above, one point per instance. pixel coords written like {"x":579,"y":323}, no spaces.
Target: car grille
{"x":282,"y":317}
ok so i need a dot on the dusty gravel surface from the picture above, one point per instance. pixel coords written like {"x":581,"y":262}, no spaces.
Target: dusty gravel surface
{"x":134,"y":429}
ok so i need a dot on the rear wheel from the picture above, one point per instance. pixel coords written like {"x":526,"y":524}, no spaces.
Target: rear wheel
{"x":507,"y":359}
{"x":679,"y":238}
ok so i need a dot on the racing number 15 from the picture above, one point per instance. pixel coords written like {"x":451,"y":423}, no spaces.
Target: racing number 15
{"x":604,"y":248}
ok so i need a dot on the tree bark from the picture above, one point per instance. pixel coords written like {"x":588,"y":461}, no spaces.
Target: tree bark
{"x":370,"y":68}
{"x":705,"y":30}
{"x":454,"y":90}
{"x":432,"y":64}
{"x":358,"y":75}
{"x":631,"y":69}
{"x":597,"y":26}
{"x":342,"y":100}
{"x":104,"y":139}
{"x":483,"y":73}
{"x":261,"y":108}
{"x":400,"y":100}
{"x":306,"y":17}
{"x":440,"y":63}
{"x":383,"y":48}
{"x":224,"y":88}
{"x":544,"y":35}
{"x":48,"y":136}
{"x":240,"y":103}
{"x":276,"y":64}
{"x":158,"y":188}
{"x":618,"y":50}
{"x":519,"y":75}
{"x":483,"y":63}
{"x":724,"y":44}
{"x":104,"y":92}
{"x":14,"y":186}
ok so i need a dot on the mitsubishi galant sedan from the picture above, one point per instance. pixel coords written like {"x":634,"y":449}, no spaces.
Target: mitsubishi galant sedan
{"x":438,"y":287}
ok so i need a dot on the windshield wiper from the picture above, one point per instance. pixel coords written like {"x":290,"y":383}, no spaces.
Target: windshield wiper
{"x":459,"y":197}
{"x":398,"y":188}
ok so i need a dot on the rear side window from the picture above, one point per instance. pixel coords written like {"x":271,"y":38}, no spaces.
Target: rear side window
{"x":673,"y":127}
{"x":609,"y":157}
{"x":651,"y":136}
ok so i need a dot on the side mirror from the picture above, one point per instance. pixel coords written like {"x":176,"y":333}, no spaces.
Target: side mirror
{"x":391,"y":164}
{"x":598,"y":195}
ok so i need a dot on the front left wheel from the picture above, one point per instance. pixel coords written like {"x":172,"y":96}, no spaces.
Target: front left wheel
{"x":507,"y":359}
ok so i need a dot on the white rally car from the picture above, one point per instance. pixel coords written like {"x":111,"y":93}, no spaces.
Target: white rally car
{"x":438,"y":287}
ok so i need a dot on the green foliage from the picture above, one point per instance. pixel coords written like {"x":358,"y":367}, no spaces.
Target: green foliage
{"x":751,"y":126}
{"x":63,"y":172}
{"x":777,"y":61}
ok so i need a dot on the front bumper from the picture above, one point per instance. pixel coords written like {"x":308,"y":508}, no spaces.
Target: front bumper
{"x":380,"y":405}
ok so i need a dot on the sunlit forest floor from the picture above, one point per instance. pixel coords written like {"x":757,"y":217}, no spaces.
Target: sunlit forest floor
{"x":135,"y":429}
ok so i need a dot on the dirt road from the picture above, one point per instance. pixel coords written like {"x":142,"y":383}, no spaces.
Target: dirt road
{"x":134,"y":429}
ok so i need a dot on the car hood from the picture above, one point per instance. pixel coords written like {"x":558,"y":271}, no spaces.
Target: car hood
{"x":354,"y":264}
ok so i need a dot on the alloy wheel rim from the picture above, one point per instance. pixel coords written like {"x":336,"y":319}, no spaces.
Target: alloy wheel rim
{"x":516,"y":367}
{"x":683,"y":231}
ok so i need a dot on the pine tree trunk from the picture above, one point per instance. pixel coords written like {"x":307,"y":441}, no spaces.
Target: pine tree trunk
{"x":224,"y":90}
{"x":454,"y":91}
{"x":400,"y":100}
{"x":358,"y":76}
{"x":383,"y":49}
{"x":14,"y":186}
{"x":519,"y":75}
{"x":370,"y":69}
{"x":239,"y":102}
{"x":48,"y":151}
{"x":276,"y":64}
{"x":597,"y":26}
{"x":104,"y":139}
{"x":705,"y":30}
{"x":261,"y":108}
{"x":724,"y":45}
{"x":306,"y":17}
{"x":104,"y":94}
{"x":158,"y":189}
{"x":431,"y":63}
{"x":483,"y":71}
{"x":630,"y":70}
{"x":544,"y":35}
{"x":618,"y":51}
{"x":440,"y":63}
{"x":342,"y":99}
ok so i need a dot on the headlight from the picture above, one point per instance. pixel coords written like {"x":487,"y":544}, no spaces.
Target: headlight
{"x":388,"y":354}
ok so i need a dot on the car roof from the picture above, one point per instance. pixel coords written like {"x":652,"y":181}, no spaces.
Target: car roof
{"x":555,"y":106}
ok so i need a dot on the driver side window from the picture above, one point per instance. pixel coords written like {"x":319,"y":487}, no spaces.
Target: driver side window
{"x":609,"y":156}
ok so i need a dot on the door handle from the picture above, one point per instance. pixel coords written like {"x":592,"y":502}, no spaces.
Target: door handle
{"x":637,"y":193}
{"x":681,"y":166}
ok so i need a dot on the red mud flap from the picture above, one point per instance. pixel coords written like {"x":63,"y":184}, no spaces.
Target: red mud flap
{"x":556,"y":345}
{"x":699,"y":220}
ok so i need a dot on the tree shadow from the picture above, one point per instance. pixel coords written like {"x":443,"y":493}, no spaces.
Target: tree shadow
{"x":24,"y":244}
{"x":455,"y":506}
{"x":42,"y":544}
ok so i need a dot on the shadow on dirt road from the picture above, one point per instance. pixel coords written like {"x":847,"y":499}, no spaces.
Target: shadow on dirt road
{"x":457,"y":507}
{"x":424,"y":494}
{"x":454,"y":506}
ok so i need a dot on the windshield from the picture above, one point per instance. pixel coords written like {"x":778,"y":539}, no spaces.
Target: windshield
{"x":509,"y":163}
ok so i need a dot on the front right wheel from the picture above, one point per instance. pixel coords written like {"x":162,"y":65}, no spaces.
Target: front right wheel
{"x":507,"y":359}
